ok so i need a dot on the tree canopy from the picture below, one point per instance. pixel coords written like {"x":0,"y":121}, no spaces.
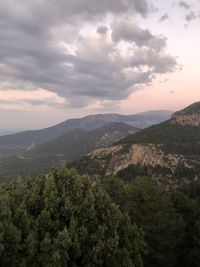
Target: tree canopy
{"x":63,"y":219}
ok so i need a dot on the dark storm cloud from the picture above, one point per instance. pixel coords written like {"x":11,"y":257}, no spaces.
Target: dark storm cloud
{"x":37,"y":37}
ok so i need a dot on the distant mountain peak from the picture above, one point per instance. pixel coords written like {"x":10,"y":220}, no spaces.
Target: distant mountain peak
{"x":191,"y":109}
{"x":188,"y":116}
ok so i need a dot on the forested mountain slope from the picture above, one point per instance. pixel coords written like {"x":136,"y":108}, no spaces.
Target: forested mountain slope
{"x":68,"y":147}
{"x":166,"y":151}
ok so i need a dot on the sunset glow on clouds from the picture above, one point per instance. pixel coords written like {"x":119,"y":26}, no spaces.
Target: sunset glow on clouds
{"x":36,"y":97}
{"x":64,"y":59}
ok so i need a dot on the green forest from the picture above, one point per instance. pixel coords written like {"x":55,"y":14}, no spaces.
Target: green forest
{"x":174,"y":138}
{"x":65,"y":219}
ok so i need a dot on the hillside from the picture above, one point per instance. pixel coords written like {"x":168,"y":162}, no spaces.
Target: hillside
{"x":166,"y":151}
{"x":194,"y":108}
{"x":68,"y":147}
{"x":20,"y":142}
{"x":77,"y":143}
{"x":189,"y":116}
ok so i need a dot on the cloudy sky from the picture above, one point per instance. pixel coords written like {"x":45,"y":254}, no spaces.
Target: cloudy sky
{"x":61,"y":59}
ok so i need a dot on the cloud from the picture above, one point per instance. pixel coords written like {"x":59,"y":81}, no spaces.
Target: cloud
{"x":126,"y":29}
{"x":164,"y":17}
{"x":191,"y":16}
{"x":34,"y":98}
{"x":49,"y":45}
{"x":32,"y":102}
{"x":102,"y":29}
{"x":184,"y":5}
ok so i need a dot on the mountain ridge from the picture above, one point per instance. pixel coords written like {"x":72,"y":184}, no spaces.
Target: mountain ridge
{"x":191,"y":109}
{"x":68,"y":147}
{"x":20,"y":142}
{"x":188,"y":116}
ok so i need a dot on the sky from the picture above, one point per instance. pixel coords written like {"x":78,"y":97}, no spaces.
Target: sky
{"x":63,"y":59}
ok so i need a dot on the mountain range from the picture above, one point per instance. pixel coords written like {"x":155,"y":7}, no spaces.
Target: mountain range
{"x":67,"y":147}
{"x":169,"y":152}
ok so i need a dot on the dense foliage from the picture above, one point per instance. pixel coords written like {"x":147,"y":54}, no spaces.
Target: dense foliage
{"x":180,"y":171}
{"x":63,"y":219}
{"x":170,"y":220}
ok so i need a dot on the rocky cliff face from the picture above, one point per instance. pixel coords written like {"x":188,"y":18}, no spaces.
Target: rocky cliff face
{"x":187,"y":120}
{"x":145,"y":155}
{"x":113,"y":136}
